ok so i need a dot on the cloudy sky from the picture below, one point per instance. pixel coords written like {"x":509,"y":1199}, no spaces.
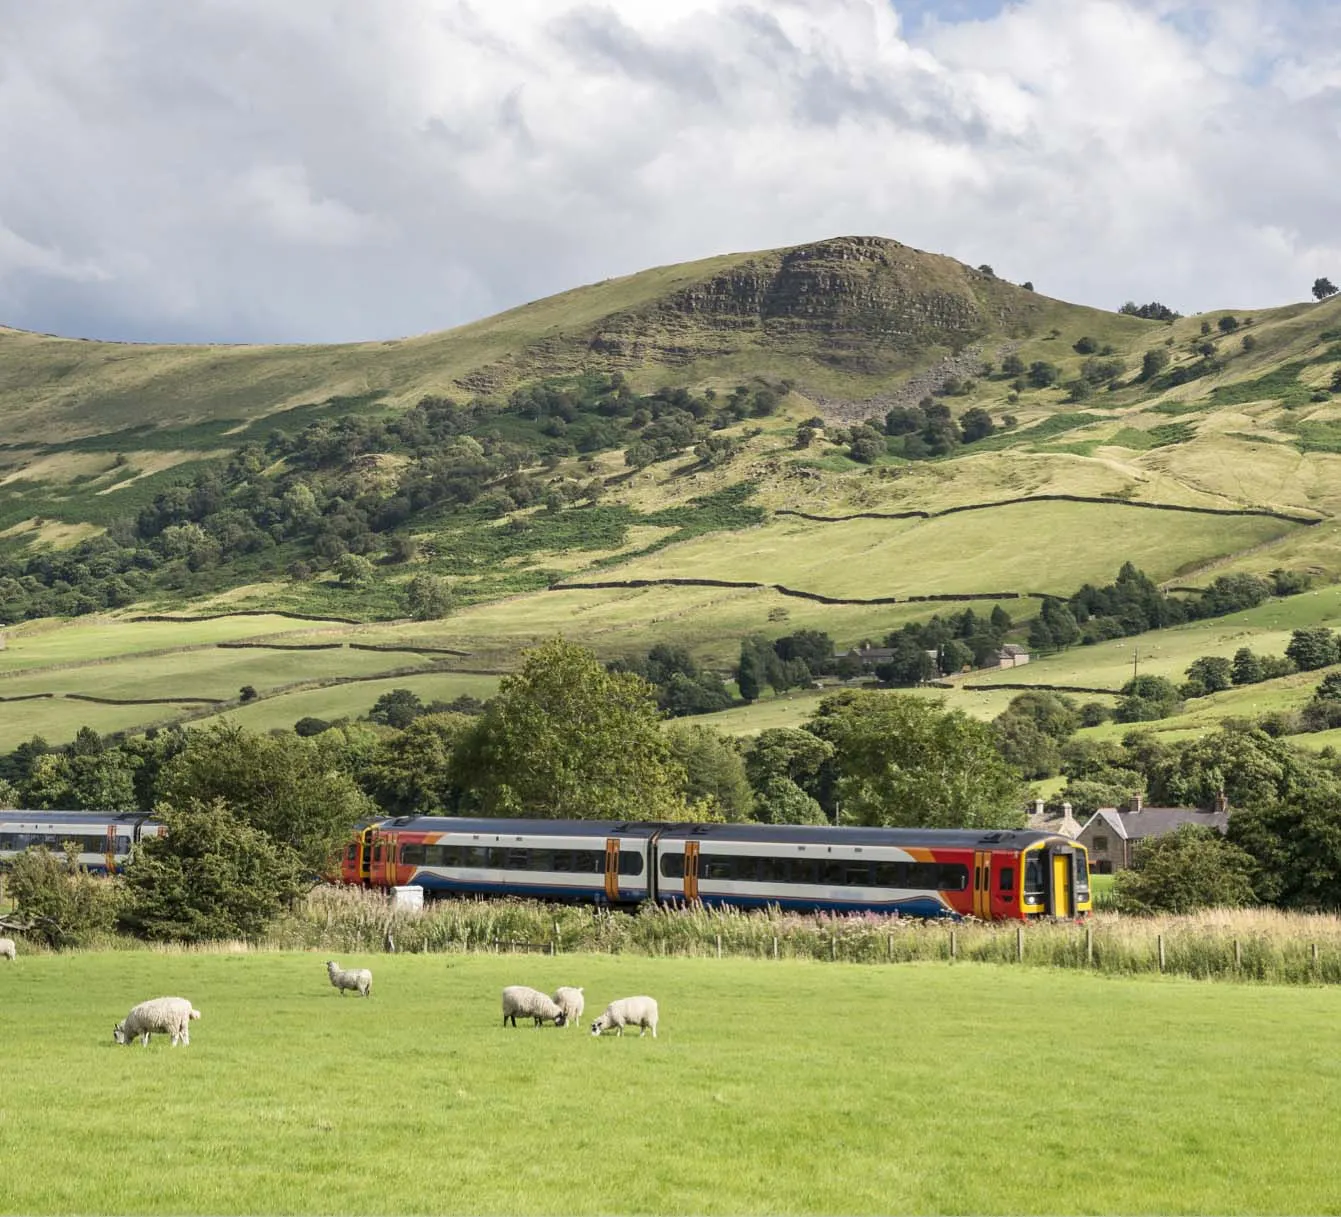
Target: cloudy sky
{"x":280,"y":170}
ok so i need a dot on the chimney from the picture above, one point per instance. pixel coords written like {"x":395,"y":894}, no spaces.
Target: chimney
{"x":1069,"y":827}
{"x":1039,"y":804}
{"x":1222,"y":802}
{"x":1137,"y":802}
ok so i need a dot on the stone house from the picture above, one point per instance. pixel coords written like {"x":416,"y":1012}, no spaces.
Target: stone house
{"x":1012,"y":656}
{"x":1111,"y":836}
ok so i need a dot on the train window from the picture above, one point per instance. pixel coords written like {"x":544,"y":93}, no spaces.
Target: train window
{"x":413,"y":855}
{"x":672,"y":866}
{"x":716,"y":866}
{"x":952,"y":876}
{"x":1007,"y":878}
{"x":562,"y":861}
{"x":1082,"y":878}
{"x":518,"y":859}
{"x":542,"y":859}
{"x":630,"y":863}
{"x":1033,"y":879}
{"x":805,"y":870}
{"x":774,"y":870}
{"x":856,"y":874}
{"x":350,"y":854}
{"x":123,"y":845}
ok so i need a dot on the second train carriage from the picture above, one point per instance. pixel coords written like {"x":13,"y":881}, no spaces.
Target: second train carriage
{"x":991,"y":875}
{"x":103,"y":838}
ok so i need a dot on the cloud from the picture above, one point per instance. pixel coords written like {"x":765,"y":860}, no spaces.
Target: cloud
{"x":340,"y":169}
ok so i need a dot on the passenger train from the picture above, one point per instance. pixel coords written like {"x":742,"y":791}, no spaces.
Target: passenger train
{"x":988,"y":874}
{"x":104,"y":838}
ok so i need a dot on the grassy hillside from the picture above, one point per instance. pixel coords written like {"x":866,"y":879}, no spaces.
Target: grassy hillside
{"x":1230,"y":416}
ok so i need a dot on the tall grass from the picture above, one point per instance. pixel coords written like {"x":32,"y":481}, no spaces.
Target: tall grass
{"x":1253,"y":944}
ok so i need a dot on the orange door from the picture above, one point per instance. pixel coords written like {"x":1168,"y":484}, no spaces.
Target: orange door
{"x":612,"y":869}
{"x":690,"y":870}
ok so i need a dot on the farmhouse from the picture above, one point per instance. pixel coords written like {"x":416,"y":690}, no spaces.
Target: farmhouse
{"x":868,"y":656}
{"x":1111,"y":836}
{"x":1012,"y":656}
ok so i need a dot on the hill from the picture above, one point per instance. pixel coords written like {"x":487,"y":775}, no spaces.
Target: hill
{"x":820,"y":437}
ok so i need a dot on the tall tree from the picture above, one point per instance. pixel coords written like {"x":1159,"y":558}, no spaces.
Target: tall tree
{"x":567,"y":739}
{"x":905,"y":761}
{"x":1323,"y":287}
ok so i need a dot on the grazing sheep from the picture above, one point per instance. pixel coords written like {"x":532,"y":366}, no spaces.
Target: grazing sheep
{"x":530,"y":1003}
{"x":630,"y":1011}
{"x":8,"y":949}
{"x":356,"y":978}
{"x":570,"y":1001}
{"x":166,"y":1015}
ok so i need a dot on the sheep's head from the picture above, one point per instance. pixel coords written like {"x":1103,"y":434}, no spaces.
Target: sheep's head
{"x":600,"y":1024}
{"x":119,"y":1034}
{"x":561,"y":1019}
{"x":332,"y":966}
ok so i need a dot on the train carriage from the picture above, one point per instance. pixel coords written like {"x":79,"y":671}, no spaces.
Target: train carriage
{"x":103,"y":839}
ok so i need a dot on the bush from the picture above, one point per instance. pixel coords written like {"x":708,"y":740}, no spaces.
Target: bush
{"x":1191,"y":868}
{"x":63,"y":904}
{"x":1085,"y":346}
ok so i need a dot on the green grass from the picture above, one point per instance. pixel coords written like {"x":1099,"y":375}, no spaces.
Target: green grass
{"x":797,"y":1099}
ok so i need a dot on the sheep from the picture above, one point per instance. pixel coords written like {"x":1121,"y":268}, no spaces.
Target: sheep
{"x":167,"y":1015}
{"x":355,"y":978}
{"x":530,"y":1003}
{"x":570,"y":1001}
{"x":631,"y":1011}
{"x":8,"y":949}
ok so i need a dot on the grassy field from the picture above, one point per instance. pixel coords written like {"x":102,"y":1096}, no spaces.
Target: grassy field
{"x":797,"y":1100}
{"x":1028,"y":547}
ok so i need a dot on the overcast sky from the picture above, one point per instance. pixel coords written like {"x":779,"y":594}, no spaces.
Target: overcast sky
{"x":280,"y":170}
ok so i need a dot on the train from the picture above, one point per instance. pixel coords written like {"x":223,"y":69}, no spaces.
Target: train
{"x":104,"y":838}
{"x":991,"y":875}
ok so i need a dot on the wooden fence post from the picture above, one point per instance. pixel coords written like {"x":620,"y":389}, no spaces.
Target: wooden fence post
{"x":1238,"y":956}
{"x":1089,"y":946}
{"x":1313,"y":951}
{"x":1019,"y":944}
{"x":775,"y":946}
{"x":889,"y":948}
{"x":954,"y":945}
{"x":719,"y":946}
{"x":833,"y":947}
{"x":1159,"y":939}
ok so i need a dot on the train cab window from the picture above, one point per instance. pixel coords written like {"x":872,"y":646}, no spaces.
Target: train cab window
{"x":630,"y":863}
{"x":1007,"y":880}
{"x":1033,"y":879}
{"x":672,"y":866}
{"x":350,"y":854}
{"x":1082,"y":878}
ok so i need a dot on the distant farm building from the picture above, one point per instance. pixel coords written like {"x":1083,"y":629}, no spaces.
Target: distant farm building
{"x":1011,"y":656}
{"x":1111,"y":836}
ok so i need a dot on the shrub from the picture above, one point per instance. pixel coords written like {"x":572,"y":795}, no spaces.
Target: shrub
{"x":1085,"y":346}
{"x":1190,"y":868}
{"x":63,"y":904}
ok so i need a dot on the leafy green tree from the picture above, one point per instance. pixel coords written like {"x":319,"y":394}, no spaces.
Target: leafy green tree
{"x":1296,"y":845}
{"x":416,"y":771}
{"x":954,"y":657}
{"x":310,"y":725}
{"x":976,"y":424}
{"x":354,"y":570}
{"x":781,"y":801}
{"x":102,"y":781}
{"x":1153,"y":363}
{"x":396,"y":708}
{"x":1313,"y":648}
{"x":1061,"y":622}
{"x":1246,"y":668}
{"x":1247,"y":766}
{"x":749,"y":677}
{"x":428,"y":597}
{"x":1085,"y":346}
{"x":1040,"y":637}
{"x":1330,"y":688}
{"x":1212,"y":672}
{"x":1043,"y":374}
{"x":296,"y":790}
{"x":567,"y":739}
{"x":867,"y":445}
{"x":1087,"y":795}
{"x":1053,"y":713}
{"x":715,"y":780}
{"x":61,"y":903}
{"x":1000,"y":620}
{"x":211,"y":876}
{"x":905,"y":761}
{"x":1323,"y":287}
{"x":1146,"y":698}
{"x":1188,"y":869}
{"x":1032,"y":751}
{"x":908,"y":665}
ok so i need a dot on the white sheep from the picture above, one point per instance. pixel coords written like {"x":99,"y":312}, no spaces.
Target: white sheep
{"x":8,"y":949}
{"x":570,"y":1001}
{"x":530,"y":1003}
{"x":359,"y":979}
{"x":166,"y":1015}
{"x":628,"y":1011}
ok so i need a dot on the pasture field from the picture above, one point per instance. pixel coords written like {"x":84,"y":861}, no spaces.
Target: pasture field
{"x":787,"y":1087}
{"x":1025,"y":547}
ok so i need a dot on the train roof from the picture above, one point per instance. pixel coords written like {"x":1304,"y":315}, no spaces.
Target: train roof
{"x":549,"y":828}
{"x":822,"y":834}
{"x":799,"y":834}
{"x":25,"y":816}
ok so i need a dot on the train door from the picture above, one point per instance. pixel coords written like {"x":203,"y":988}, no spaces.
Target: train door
{"x":982,"y":884}
{"x":691,"y":871}
{"x":382,"y":866}
{"x":109,"y":849}
{"x":1062,"y":888}
{"x":612,"y":869}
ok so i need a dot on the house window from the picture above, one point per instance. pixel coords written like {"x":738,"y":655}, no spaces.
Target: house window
{"x":1100,"y":842}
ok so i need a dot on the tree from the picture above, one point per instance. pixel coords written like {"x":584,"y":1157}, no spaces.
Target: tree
{"x":715,"y":783}
{"x":1031,"y":750}
{"x":1296,"y":845}
{"x":867,"y":445}
{"x":976,"y":424}
{"x":749,"y":679}
{"x":396,"y":708}
{"x":247,"y":693}
{"x":101,"y":781}
{"x":1153,"y":363}
{"x":290,"y":788}
{"x":210,"y":876}
{"x":1313,"y":648}
{"x":785,"y":752}
{"x":1040,"y":637}
{"x":1212,"y":672}
{"x":1012,"y":365}
{"x":904,"y":761}
{"x":416,"y":771}
{"x":908,"y":665}
{"x":1188,"y":869}
{"x":1053,"y":713}
{"x":1043,"y":374}
{"x":1247,"y":767}
{"x":781,"y":801}
{"x":1228,"y":323}
{"x":1246,"y":668}
{"x":1154,"y":311}
{"x":1322,"y":288}
{"x":428,"y":597}
{"x":63,"y":904}
{"x":1146,"y":698}
{"x":354,"y":570}
{"x":567,"y":739}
